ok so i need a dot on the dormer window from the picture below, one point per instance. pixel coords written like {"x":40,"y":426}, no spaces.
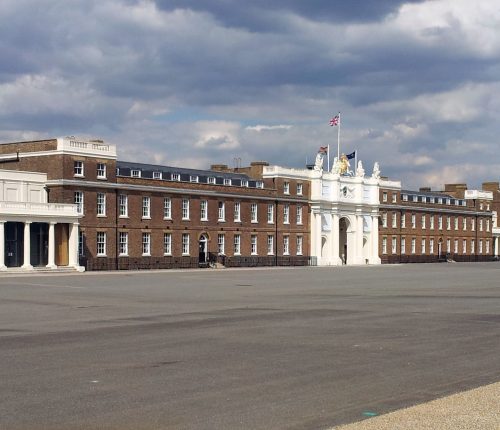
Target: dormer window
{"x":415,"y":198}
{"x":135,"y":173}
{"x":244,"y":183}
{"x":193,"y":178}
{"x":405,"y":197}
{"x":227,"y":181}
{"x":211,"y":180}
{"x":157,"y":175}
{"x":176,"y":177}
{"x":260,"y":184}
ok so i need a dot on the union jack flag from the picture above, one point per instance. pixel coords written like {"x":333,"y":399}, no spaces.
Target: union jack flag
{"x":323,"y":149}
{"x":335,"y":120}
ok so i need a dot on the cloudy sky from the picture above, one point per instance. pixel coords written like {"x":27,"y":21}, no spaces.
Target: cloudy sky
{"x":192,"y":82}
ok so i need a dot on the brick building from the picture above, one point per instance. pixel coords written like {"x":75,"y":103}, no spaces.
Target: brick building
{"x":96,"y":211}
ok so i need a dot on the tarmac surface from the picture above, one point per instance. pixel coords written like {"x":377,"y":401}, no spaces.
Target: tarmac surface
{"x":299,"y":348}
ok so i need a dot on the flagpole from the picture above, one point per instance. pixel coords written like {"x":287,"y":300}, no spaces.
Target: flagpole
{"x":355,"y":161}
{"x":338,"y":139}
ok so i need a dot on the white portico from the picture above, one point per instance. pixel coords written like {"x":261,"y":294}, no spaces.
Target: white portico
{"x":344,"y":211}
{"x":33,"y":232}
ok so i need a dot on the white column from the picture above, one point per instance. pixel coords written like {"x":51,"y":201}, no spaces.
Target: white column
{"x":318,"y":232}
{"x":27,"y":246}
{"x":73,"y":245}
{"x":374,"y":259}
{"x":359,"y":239}
{"x":52,"y":246}
{"x":2,"y":246}
{"x":335,"y":240}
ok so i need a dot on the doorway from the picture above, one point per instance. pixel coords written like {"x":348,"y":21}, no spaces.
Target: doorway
{"x":14,"y":244}
{"x":343,"y":248}
{"x":39,"y":239}
{"x":203,"y":249}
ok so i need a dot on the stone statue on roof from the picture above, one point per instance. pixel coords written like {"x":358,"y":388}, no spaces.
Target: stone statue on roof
{"x":360,"y":172}
{"x":376,"y":170}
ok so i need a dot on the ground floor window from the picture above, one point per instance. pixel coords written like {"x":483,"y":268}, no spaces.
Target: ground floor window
{"x":101,"y":243}
{"x":237,"y":244}
{"x":167,"y":243}
{"x":185,"y":243}
{"x":146,"y":243}
{"x":123,"y":243}
{"x":270,"y":244}
{"x":220,"y":244}
{"x":299,"y":245}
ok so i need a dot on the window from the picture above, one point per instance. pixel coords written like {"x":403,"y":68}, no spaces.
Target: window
{"x":481,"y":206}
{"x":101,"y":204}
{"x":79,"y":202}
{"x":413,"y":245}
{"x":487,"y":243}
{"x":487,"y":225}
{"x":78,"y":168}
{"x":394,"y":197}
{"x":440,"y":200}
{"x":456,"y":223}
{"x":146,"y":243}
{"x":481,"y":224}
{"x":422,"y":220}
{"x":394,"y":245}
{"x":193,"y":178}
{"x":299,"y":189}
{"x":123,"y":205}
{"x":101,"y":244}
{"x":405,"y":197}
{"x":253,"y":243}
{"x":185,"y":243}
{"x":403,"y":220}
{"x":211,"y":180}
{"x":167,"y":208}
{"x":448,"y":223}
{"x":384,"y":219}
{"x":185,"y":209}
{"x":394,"y":220}
{"x":220,"y":244}
{"x":487,"y":206}
{"x":222,"y":211}
{"x":237,"y":244}
{"x":431,"y":222}
{"x":403,"y":245}
{"x":473,"y":224}
{"x":440,"y":222}
{"x":157,"y":175}
{"x":176,"y":177}
{"x":136,"y":173}
{"x":253,"y":212}
{"x":464,"y":246}
{"x":415,"y":198}
{"x":286,"y":245}
{"x":423,"y":247}
{"x":464,"y":223}
{"x":81,"y":243}
{"x":472,"y":246}
{"x":270,"y":213}
{"x":286,"y":187}
{"x":259,"y":184}
{"x":146,"y":207}
{"x":244,"y":183}
{"x":431,"y":245}
{"x":455,"y":246}
{"x":480,"y":249}
{"x":299,"y":214}
{"x":448,"y":201}
{"x":384,"y":245}
{"x":270,"y":244}
{"x":237,"y":211}
{"x":204,"y":210}
{"x":413,"y":221}
{"x":286,"y":214}
{"x":123,"y":243}
{"x":167,"y":243}
{"x":448,"y":245}
{"x":299,"y":245}
{"x":227,"y":181}
{"x":101,"y":171}
{"x":384,"y":196}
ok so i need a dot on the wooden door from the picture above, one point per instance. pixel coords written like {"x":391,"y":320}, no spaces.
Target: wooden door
{"x":62,"y":248}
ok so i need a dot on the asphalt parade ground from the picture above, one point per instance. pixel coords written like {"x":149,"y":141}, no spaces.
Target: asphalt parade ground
{"x":298,"y":348}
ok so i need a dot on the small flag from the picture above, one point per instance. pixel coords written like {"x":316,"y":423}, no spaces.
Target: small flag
{"x":351,"y":155}
{"x":335,"y":120}
{"x":323,"y":149}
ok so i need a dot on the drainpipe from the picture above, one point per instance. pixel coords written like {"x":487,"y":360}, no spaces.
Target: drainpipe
{"x":276,"y":234}
{"x":117,"y":244}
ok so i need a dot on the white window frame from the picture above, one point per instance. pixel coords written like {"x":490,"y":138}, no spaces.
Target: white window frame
{"x":464,"y":246}
{"x":185,"y":209}
{"x":185,"y":244}
{"x":167,"y":208}
{"x":237,"y":211}
{"x":403,"y":220}
{"x":211,"y":180}
{"x":299,"y":189}
{"x":193,"y":178}
{"x":299,"y":245}
{"x":237,"y":244}
{"x":413,"y":221}
{"x":431,"y":222}
{"x":204,"y":210}
{"x":101,"y":171}
{"x":431,"y":245}
{"x":423,"y":221}
{"x":221,"y":243}
{"x":254,"y":216}
{"x":286,"y":213}
{"x":101,"y":244}
{"x":403,"y":245}
{"x":270,"y":213}
{"x":123,"y":206}
{"x":394,"y":220}
{"x":286,"y":245}
{"x":79,"y":202}
{"x":270,"y":244}
{"x":244,"y":183}
{"x":472,"y":246}
{"x":123,"y":243}
{"x":146,"y":243}
{"x":384,"y":219}
{"x":157,"y":175}
{"x":227,"y":181}
{"x":221,"y":211}
{"x":384,"y":196}
{"x":146,"y":207}
{"x":299,"y":214}
{"x":253,"y":244}
{"x":176,"y":177}
{"x":78,"y":169}
{"x":455,"y":246}
{"x":384,"y":245}
{"x":135,"y":173}
{"x":394,"y":245}
{"x":422,"y":246}
{"x":101,"y":204}
{"x":167,"y":243}
{"x":413,"y":245}
{"x":286,"y":187}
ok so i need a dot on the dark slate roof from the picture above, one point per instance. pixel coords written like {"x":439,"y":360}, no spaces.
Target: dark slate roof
{"x":428,"y":194}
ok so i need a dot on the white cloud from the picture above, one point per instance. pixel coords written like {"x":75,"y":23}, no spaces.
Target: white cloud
{"x":259,"y":128}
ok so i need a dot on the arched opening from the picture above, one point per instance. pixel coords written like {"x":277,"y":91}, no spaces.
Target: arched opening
{"x":344,"y":226}
{"x":203,"y":249}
